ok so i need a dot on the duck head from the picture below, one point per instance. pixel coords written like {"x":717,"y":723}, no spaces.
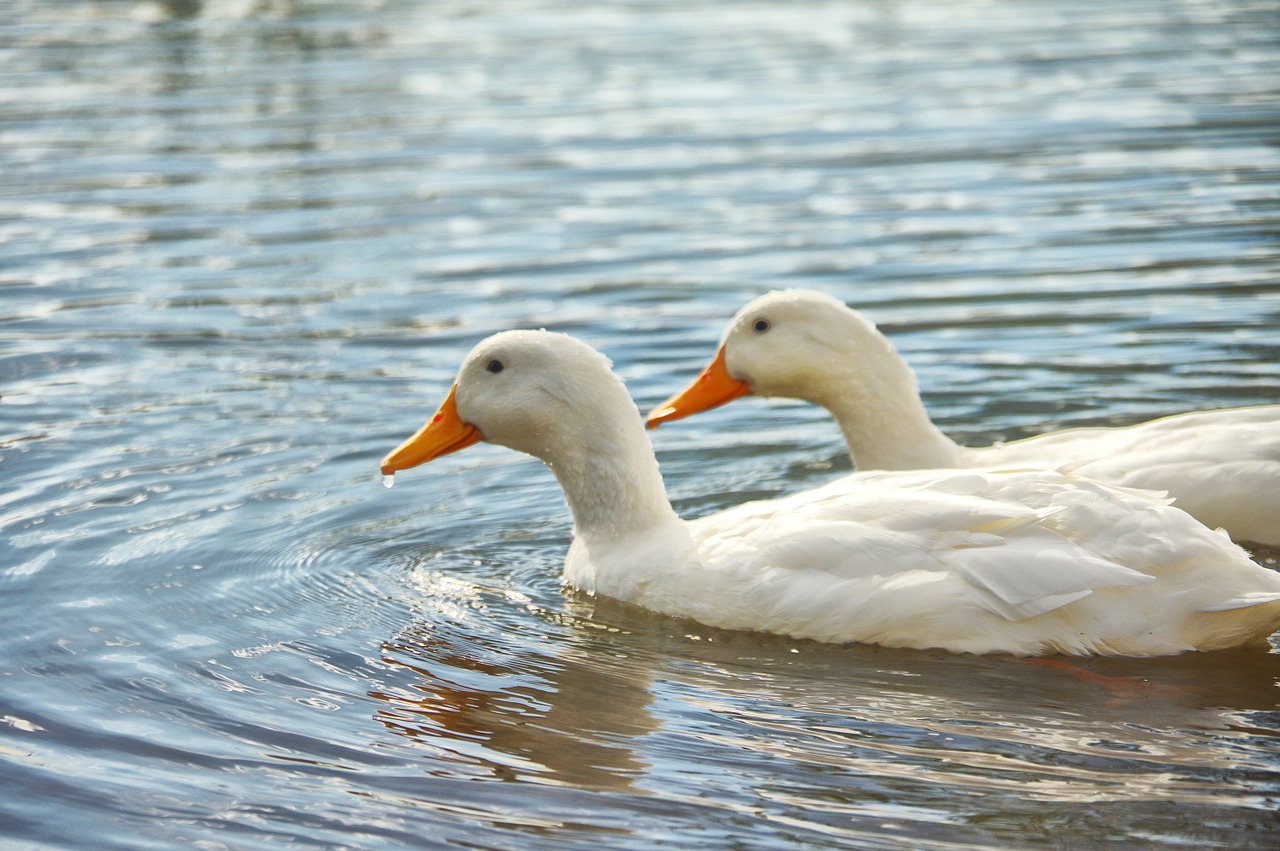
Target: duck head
{"x":797,"y":344}
{"x":532,"y":391}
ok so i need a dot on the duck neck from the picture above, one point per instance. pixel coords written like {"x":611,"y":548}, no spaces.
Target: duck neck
{"x":877,"y":405}
{"x":612,"y":484}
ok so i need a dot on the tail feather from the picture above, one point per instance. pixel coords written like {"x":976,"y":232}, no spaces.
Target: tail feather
{"x":1245,"y":601}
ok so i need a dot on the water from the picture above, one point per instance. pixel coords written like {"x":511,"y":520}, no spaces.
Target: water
{"x":244,"y":245}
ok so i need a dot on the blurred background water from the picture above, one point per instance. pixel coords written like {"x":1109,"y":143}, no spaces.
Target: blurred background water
{"x":245,"y":243}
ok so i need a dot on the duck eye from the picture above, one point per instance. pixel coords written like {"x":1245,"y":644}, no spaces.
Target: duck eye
{"x":761,"y":326}
{"x":494,"y":366}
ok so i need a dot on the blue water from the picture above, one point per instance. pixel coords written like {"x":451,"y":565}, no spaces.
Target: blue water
{"x":245,"y":243}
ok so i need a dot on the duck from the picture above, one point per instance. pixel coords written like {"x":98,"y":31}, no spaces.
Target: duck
{"x":1022,"y":562}
{"x":1222,"y":466}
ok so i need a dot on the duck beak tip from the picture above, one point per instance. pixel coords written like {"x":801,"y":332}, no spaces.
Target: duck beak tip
{"x":444,"y":433}
{"x":657,"y":416}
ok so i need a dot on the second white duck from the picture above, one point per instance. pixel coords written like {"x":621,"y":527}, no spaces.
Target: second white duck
{"x":1222,"y":466}
{"x":1029,"y":563}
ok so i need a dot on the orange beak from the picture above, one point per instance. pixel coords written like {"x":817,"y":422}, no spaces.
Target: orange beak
{"x":712,"y":388}
{"x":444,"y":433}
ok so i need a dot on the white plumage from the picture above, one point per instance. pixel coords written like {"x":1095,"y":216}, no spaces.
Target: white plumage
{"x":1222,"y":466}
{"x":980,"y":561}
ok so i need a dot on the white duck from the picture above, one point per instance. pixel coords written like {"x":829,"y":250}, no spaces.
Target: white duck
{"x":1029,"y":563}
{"x":1221,"y":466}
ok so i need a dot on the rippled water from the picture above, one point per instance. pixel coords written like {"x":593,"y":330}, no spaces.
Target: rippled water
{"x":244,"y":244}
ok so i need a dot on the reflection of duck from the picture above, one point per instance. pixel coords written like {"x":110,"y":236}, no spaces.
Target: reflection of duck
{"x":544,"y":719}
{"x":1221,"y":466}
{"x":966,"y":722}
{"x":975,"y":561}
{"x":812,"y":676}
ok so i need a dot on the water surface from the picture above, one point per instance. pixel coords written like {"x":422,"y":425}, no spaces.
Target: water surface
{"x":244,"y":245}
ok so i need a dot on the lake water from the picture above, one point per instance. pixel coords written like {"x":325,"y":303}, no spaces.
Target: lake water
{"x":245,"y":243}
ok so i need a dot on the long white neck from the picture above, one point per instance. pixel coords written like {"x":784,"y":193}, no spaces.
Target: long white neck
{"x":872,"y":393}
{"x":625,"y":530}
{"x":612,"y":483}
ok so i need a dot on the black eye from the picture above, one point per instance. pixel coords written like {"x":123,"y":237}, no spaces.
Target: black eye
{"x":761,"y":326}
{"x":494,"y":366}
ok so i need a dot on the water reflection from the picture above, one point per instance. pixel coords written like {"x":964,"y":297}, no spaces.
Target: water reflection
{"x":558,"y":711}
{"x":1107,"y":729}
{"x":633,"y":702}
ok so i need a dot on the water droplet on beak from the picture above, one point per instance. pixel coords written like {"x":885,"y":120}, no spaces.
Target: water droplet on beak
{"x":388,"y":480}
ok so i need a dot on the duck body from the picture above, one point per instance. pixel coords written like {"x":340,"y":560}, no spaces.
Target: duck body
{"x":978,"y":561}
{"x":1022,"y":562}
{"x":1222,"y":466}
